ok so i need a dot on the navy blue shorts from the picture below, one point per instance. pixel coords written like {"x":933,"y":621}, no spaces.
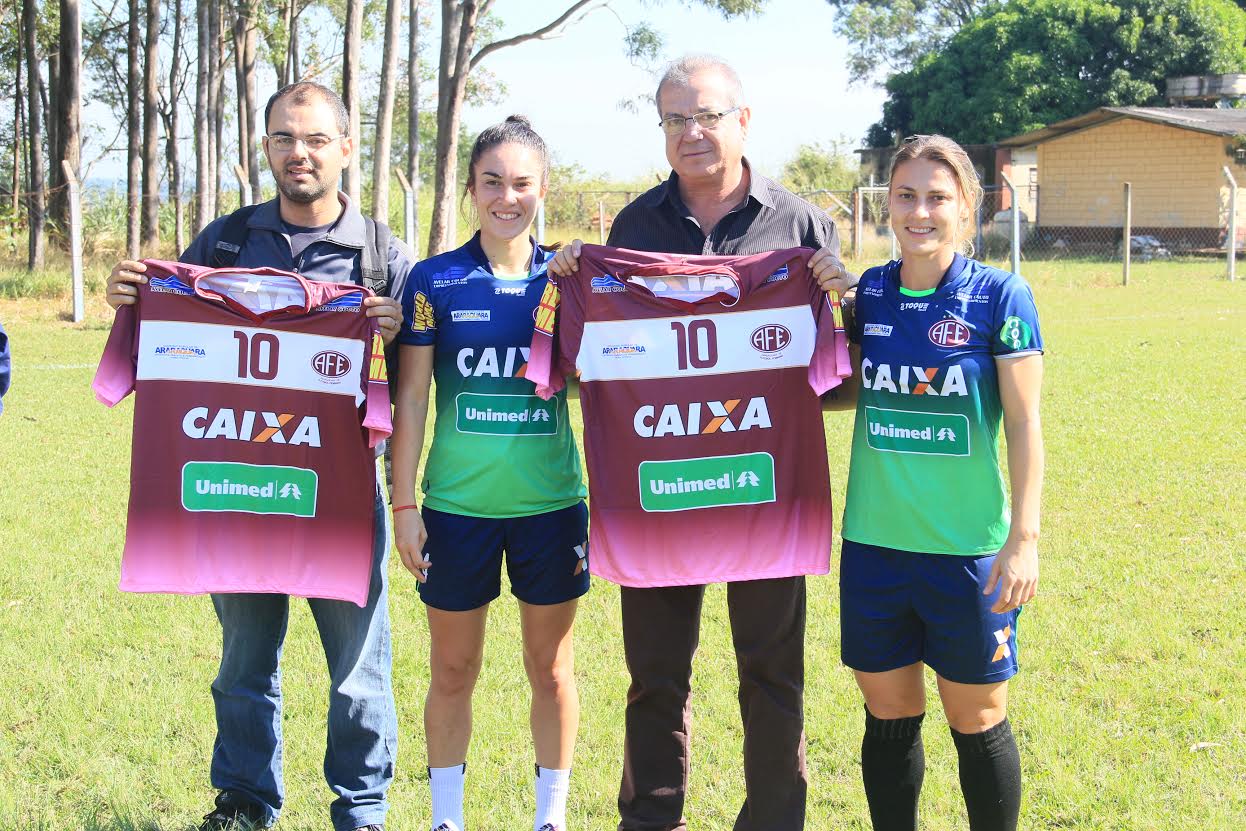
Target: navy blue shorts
{"x":900,"y":607}
{"x":546,"y":558}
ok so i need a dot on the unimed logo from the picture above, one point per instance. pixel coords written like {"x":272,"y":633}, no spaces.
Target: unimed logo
{"x":224,"y":487}
{"x":707,"y":482}
{"x":330,"y":364}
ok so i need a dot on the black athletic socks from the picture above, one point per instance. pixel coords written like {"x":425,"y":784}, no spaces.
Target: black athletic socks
{"x":990,"y":777}
{"x":893,"y":764}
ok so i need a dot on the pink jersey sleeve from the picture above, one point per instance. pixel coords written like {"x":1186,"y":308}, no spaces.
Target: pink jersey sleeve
{"x":543,"y":364}
{"x":377,"y":417}
{"x":830,"y":363}
{"x":114,"y":379}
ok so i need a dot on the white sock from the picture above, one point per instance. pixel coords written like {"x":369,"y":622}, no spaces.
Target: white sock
{"x":551,"y":797}
{"x":447,"y":787}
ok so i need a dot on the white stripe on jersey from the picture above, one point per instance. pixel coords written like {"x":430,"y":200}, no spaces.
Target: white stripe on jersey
{"x":171,"y":350}
{"x":619,"y":350}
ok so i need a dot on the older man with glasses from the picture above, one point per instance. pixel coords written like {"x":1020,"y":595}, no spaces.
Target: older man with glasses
{"x":713,"y":202}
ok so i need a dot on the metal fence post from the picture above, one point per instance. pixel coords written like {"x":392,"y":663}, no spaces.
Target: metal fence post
{"x":244,"y":186}
{"x":1230,"y":242}
{"x":75,"y":239}
{"x":601,"y":220}
{"x":856,"y":223}
{"x":1127,"y":231}
{"x":408,"y":211}
{"x":1016,"y":225}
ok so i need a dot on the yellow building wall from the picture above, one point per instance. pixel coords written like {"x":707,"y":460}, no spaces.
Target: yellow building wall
{"x":1176,"y":174}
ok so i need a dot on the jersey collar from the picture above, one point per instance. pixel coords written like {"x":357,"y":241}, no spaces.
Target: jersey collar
{"x":477,"y":252}
{"x":952,"y":277}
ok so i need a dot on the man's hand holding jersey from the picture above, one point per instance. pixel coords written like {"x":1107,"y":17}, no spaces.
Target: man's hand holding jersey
{"x":128,"y":275}
{"x":825,"y":265}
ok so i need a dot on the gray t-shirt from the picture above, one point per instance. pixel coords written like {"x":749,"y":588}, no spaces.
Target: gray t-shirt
{"x":301,"y":237}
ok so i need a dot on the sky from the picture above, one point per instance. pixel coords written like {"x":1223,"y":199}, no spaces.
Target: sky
{"x":788,"y":58}
{"x":790,"y":62}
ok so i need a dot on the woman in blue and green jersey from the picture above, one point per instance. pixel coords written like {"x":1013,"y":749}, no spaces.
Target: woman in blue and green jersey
{"x":502,"y":478}
{"x":936,"y":563}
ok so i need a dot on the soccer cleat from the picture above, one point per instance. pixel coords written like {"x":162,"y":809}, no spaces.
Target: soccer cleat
{"x":234,"y":813}
{"x":373,"y":827}
{"x":447,"y":826}
{"x":549,"y":826}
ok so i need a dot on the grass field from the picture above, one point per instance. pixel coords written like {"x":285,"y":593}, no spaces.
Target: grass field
{"x":1130,"y":708}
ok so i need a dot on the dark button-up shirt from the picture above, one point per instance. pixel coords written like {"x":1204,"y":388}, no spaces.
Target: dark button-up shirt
{"x":770,"y":218}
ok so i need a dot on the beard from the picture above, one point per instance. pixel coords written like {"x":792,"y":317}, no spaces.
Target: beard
{"x":305,"y":192}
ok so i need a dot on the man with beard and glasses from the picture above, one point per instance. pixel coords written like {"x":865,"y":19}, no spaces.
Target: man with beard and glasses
{"x":313,"y":229}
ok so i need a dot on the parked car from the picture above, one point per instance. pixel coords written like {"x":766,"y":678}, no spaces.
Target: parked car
{"x":1145,"y":247}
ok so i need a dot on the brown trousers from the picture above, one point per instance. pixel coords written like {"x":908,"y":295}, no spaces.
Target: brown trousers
{"x":661,"y":629}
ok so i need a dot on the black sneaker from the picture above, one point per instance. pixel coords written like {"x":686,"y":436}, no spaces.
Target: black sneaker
{"x":234,"y":813}
{"x":373,"y":827}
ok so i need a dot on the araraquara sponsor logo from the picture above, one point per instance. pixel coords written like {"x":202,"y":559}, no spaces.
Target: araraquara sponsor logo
{"x":180,"y":351}
{"x":619,"y":350}
{"x":470,"y":315}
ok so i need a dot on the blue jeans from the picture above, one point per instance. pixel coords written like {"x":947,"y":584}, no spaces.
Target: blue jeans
{"x":362,"y":726}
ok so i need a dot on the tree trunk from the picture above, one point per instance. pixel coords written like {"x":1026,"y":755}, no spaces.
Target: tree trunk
{"x":288,"y":71}
{"x":216,"y":114}
{"x":176,"y":74}
{"x":37,"y":202}
{"x":203,"y":145}
{"x":458,"y":36}
{"x":56,"y":175}
{"x":413,"y":110}
{"x":244,"y":80}
{"x":69,"y":105}
{"x":149,"y":238}
{"x":19,"y":126}
{"x":352,"y":175}
{"x":385,"y":113}
{"x":134,"y":162}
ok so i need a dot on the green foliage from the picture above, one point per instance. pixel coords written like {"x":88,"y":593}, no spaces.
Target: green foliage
{"x":815,"y":167}
{"x":893,"y":34}
{"x":1028,"y":63}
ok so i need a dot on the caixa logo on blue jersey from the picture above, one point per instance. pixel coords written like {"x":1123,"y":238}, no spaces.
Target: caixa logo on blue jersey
{"x":949,"y":333}
{"x":493,"y":362}
{"x":607,"y":284}
{"x":180,"y":351}
{"x":330,"y":364}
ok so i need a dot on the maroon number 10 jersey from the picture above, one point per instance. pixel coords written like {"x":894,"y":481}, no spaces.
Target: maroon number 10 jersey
{"x":699,"y":380}
{"x":258,"y":397}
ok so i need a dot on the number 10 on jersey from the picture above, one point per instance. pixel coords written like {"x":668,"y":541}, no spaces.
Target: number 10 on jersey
{"x":696,"y":343}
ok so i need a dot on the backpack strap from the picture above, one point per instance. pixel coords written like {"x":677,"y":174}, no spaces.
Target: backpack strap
{"x":233,"y":237}
{"x":374,"y":260}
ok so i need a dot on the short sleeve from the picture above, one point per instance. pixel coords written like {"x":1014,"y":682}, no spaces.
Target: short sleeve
{"x":830,"y":363}
{"x":377,"y":418}
{"x":115,"y":376}
{"x":1015,"y":328}
{"x":544,"y":359}
{"x":419,"y":323}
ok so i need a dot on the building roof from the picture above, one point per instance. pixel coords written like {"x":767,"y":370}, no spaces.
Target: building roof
{"x":1216,"y":121}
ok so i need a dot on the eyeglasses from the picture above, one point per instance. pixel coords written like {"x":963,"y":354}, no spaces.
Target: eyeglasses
{"x":283,"y":142}
{"x":673,"y":125}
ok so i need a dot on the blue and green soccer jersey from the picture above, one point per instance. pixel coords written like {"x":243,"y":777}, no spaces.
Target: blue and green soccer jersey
{"x":498,"y":450}
{"x":925,"y":470}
